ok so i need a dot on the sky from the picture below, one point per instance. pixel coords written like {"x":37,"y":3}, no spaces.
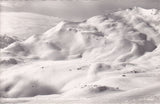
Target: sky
{"x":74,"y":9}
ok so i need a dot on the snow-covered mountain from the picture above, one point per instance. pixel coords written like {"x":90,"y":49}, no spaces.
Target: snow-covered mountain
{"x":23,"y":24}
{"x":118,"y":36}
{"x":109,"y":57}
{"x":6,"y":40}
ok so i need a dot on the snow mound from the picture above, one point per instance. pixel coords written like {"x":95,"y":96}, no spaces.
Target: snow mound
{"x":87,"y":90}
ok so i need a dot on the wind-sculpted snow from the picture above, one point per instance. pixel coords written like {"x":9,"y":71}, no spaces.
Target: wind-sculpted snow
{"x":104,"y":55}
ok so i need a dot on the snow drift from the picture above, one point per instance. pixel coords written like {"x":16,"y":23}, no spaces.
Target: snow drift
{"x":106,"y":54}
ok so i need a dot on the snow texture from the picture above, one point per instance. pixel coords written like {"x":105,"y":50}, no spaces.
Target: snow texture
{"x":106,"y":58}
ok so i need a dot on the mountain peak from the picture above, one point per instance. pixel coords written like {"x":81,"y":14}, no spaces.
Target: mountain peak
{"x":142,"y":11}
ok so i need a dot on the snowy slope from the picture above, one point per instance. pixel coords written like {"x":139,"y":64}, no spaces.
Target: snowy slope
{"x":107,"y":58}
{"x":23,"y":24}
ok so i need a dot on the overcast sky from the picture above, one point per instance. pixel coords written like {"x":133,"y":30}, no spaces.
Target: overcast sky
{"x":74,"y":9}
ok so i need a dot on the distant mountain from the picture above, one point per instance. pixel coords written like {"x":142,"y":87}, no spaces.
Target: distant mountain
{"x":6,"y":40}
{"x":23,"y":24}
